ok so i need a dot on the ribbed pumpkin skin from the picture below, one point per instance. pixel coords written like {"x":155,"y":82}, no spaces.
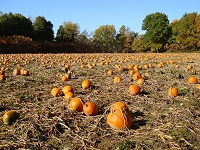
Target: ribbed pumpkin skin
{"x":172,"y":91}
{"x":119,"y":120}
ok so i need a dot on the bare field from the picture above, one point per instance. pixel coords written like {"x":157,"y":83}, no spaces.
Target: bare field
{"x":159,"y":121}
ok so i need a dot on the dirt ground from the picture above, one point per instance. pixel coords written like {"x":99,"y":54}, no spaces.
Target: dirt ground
{"x":159,"y":121}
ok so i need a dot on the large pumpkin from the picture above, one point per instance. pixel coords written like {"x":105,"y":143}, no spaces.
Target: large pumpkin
{"x":119,"y":120}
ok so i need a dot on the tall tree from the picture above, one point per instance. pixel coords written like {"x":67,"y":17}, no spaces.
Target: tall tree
{"x":15,"y":24}
{"x":187,"y":31}
{"x":43,"y":29}
{"x":137,"y":45}
{"x":157,"y":31}
{"x":68,"y":32}
{"x":104,"y":38}
{"x":125,"y":38}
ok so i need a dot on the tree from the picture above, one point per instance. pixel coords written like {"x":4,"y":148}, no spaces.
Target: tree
{"x":187,"y":31}
{"x":125,"y":38}
{"x":68,"y":32}
{"x":157,"y":31}
{"x":15,"y":24}
{"x":104,"y":38}
{"x":43,"y":29}
{"x":137,"y":45}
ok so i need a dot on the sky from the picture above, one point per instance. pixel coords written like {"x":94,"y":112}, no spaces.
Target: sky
{"x":91,"y":14}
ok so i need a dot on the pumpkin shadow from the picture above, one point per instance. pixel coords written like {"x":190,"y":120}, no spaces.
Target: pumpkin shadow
{"x":138,"y":120}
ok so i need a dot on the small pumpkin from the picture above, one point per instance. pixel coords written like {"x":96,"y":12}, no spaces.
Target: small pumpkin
{"x":90,"y":109}
{"x":192,"y":80}
{"x":16,"y":72}
{"x":140,"y":81}
{"x":64,"y":78}
{"x":172,"y":91}
{"x":67,"y":88}
{"x":10,"y":116}
{"x":68,"y":95}
{"x":117,"y":79}
{"x":119,"y":120}
{"x":110,"y":72}
{"x":137,"y":75}
{"x":56,"y":92}
{"x":134,"y":89}
{"x":76,"y":104}
{"x":86,"y":84}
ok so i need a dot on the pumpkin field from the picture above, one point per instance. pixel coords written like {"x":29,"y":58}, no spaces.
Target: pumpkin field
{"x":101,"y":101}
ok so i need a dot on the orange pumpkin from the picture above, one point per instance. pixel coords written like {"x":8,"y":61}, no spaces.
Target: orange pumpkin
{"x":90,"y":108}
{"x":117,"y":79}
{"x":76,"y":104}
{"x":67,"y":88}
{"x":56,"y":92}
{"x":10,"y":116}
{"x":64,"y":78}
{"x":68,"y":95}
{"x":110,"y":72}
{"x":134,"y":89}
{"x":140,"y":81}
{"x":192,"y":80}
{"x":16,"y":72}
{"x":119,"y":120}
{"x":172,"y":91}
{"x":137,"y":75}
{"x":86,"y":84}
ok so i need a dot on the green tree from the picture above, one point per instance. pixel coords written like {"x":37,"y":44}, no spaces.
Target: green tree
{"x":104,"y":38}
{"x":43,"y":29}
{"x":137,"y":44}
{"x":125,"y":38}
{"x":68,"y":32}
{"x":157,"y":31}
{"x":15,"y":24}
{"x":186,"y":31}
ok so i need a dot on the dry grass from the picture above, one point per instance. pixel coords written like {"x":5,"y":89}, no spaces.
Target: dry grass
{"x":46,"y":122}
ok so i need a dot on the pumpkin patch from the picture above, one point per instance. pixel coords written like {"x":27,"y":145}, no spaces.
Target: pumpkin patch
{"x":90,"y":100}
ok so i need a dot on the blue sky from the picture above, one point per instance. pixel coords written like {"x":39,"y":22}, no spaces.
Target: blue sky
{"x":90,"y":14}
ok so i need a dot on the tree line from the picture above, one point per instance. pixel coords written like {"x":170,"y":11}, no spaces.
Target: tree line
{"x":20,"y":34}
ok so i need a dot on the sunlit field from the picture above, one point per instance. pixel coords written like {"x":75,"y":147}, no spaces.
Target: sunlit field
{"x":161,"y":118}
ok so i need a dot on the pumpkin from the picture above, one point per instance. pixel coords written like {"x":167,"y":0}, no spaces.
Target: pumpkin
{"x":117,"y":79}
{"x":86,"y":84}
{"x":119,"y":105}
{"x":134,"y":89}
{"x":25,"y":72}
{"x":67,"y":88}
{"x":10,"y":116}
{"x":2,"y":76}
{"x":76,"y":104}
{"x":132,"y":72}
{"x":172,"y":91}
{"x":68,"y":95}
{"x":192,"y":80}
{"x":16,"y":72}
{"x":64,"y":78}
{"x":110,"y":72}
{"x":56,"y":92}
{"x":140,"y":81}
{"x":137,"y":75}
{"x":90,"y":109}
{"x":119,"y":120}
